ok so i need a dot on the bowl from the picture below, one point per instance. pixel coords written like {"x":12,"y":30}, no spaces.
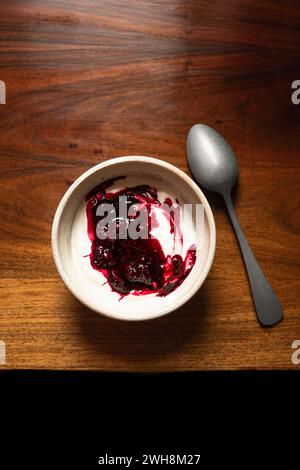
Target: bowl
{"x":71,"y":245}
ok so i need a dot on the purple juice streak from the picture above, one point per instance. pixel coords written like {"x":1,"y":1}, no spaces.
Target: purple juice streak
{"x":139,"y":266}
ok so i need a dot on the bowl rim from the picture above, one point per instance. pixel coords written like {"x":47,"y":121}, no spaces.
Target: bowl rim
{"x":115,"y":161}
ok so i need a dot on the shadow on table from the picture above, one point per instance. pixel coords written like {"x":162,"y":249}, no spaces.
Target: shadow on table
{"x":216,"y":201}
{"x":137,"y":342}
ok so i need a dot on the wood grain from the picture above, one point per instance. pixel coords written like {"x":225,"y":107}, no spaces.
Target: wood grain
{"x":88,"y":80}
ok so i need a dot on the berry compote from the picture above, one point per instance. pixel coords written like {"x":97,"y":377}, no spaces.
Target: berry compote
{"x":136,"y":266}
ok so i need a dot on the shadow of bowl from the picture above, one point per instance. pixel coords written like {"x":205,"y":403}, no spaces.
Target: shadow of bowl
{"x":143,"y":341}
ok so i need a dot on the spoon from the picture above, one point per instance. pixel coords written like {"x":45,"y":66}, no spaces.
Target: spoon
{"x":214,"y":166}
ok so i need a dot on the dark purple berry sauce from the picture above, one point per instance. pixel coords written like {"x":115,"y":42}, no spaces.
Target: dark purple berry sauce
{"x":132,"y":266}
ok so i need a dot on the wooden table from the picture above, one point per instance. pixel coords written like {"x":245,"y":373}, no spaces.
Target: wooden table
{"x":88,"y":80}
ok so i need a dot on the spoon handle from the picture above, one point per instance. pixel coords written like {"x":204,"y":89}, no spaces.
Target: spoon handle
{"x":268,"y":308}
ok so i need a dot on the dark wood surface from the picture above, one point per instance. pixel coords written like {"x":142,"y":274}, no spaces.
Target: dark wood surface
{"x":89,"y":80}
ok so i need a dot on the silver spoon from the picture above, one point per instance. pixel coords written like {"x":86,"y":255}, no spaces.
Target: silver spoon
{"x":214,"y":166}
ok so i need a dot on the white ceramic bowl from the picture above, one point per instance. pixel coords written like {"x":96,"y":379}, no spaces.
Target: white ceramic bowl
{"x":70,"y":242}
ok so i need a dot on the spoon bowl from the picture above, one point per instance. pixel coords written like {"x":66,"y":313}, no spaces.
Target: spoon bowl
{"x":211,"y":159}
